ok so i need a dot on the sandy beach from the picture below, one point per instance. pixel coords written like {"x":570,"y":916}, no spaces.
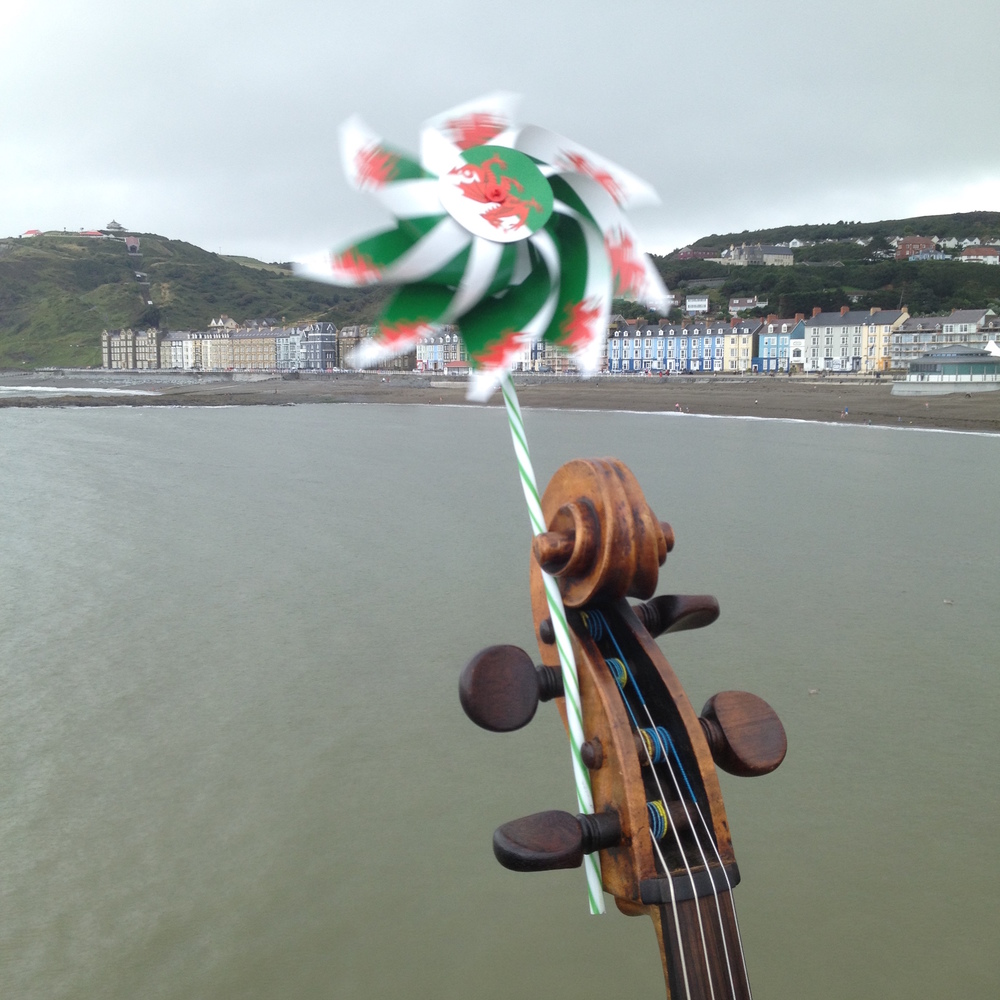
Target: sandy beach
{"x":832,"y":399}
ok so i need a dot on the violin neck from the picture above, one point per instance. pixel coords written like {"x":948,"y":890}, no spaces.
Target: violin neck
{"x":701,"y":950}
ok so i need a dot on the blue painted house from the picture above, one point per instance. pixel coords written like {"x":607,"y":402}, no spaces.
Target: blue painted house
{"x":658,"y":348}
{"x":774,"y":348}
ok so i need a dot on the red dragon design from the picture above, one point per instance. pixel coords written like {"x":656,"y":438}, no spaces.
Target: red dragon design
{"x":502,"y":352}
{"x":474,"y":129}
{"x":483,"y":184}
{"x":582,"y":165}
{"x":577,"y":326}
{"x":374,"y":166}
{"x":356,"y":266}
{"x":626,"y":266}
{"x":399,"y":336}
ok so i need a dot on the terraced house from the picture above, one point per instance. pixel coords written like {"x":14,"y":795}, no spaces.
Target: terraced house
{"x":130,"y":349}
{"x":834,"y":340}
{"x":920,"y":334}
{"x":775,"y":342}
{"x":876,"y":338}
{"x":256,"y":347}
{"x":742,"y":345}
{"x":699,"y":347}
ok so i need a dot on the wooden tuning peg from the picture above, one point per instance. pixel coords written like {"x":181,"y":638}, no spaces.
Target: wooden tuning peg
{"x":547,"y":841}
{"x":500,"y":688}
{"x":744,"y":733}
{"x":677,"y":612}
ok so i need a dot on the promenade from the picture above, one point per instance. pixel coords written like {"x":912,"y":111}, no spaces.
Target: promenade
{"x":832,"y":399}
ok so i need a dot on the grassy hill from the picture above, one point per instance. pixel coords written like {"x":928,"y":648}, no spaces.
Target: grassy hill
{"x":59,"y":291}
{"x":985,"y":225}
{"x":831,"y":275}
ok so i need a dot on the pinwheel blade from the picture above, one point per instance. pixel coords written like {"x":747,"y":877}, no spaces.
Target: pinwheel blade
{"x":635,"y":277}
{"x":369,"y":164}
{"x":500,"y":329}
{"x":411,"y":314}
{"x":583,"y":306}
{"x":486,"y":120}
{"x":627,"y":190}
{"x":414,"y":251}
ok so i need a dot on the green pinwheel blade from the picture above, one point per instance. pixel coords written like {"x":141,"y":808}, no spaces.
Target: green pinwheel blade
{"x":415,"y":305}
{"x":410,"y":314}
{"x":583,"y":305}
{"x":565,"y":193}
{"x":489,"y":326}
{"x":385,"y":248}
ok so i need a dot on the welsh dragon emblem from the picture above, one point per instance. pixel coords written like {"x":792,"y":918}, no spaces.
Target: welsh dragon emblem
{"x":486,"y":184}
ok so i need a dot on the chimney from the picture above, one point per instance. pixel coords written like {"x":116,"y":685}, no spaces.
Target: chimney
{"x":873,"y":310}
{"x":844,"y":310}
{"x":771,"y":317}
{"x":799,"y":316}
{"x":816,"y":311}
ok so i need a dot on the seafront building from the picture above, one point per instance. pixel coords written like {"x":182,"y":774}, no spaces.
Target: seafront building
{"x":776,"y":336}
{"x":131,"y":349}
{"x":850,"y":340}
{"x":867,"y":342}
{"x":258,"y":346}
{"x":951,"y":369}
{"x":920,"y":334}
{"x":665,"y":348}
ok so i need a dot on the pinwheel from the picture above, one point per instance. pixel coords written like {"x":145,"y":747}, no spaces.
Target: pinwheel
{"x":512,"y":234}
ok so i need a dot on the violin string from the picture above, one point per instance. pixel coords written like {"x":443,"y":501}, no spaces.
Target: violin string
{"x":672,"y":827}
{"x":667,"y":748}
{"x":711,"y":840}
{"x":659,"y":852}
{"x":732,"y":903}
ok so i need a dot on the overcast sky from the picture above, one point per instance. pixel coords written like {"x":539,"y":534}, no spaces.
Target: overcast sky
{"x":216,"y":122}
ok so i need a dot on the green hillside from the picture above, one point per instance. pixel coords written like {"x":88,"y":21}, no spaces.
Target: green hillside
{"x":985,"y":225}
{"x":59,"y":291}
{"x":835,"y":274}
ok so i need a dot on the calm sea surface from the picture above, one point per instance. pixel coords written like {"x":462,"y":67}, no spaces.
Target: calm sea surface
{"x":233,"y":762}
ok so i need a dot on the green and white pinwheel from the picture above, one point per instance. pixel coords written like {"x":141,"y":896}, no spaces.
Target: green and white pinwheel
{"x":513,"y":234}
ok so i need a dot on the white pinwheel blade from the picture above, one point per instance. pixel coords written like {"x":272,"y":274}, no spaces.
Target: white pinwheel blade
{"x":413,"y":251}
{"x":395,"y":179}
{"x":635,"y":276}
{"x":627,"y":190}
{"x":486,"y":120}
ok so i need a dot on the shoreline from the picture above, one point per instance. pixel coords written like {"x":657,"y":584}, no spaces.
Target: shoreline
{"x":827,"y":400}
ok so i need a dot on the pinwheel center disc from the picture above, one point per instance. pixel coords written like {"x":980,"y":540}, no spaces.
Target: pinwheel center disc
{"x":496,"y":193}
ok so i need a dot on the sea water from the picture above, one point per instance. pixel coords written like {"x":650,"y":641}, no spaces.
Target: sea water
{"x":233,"y":763}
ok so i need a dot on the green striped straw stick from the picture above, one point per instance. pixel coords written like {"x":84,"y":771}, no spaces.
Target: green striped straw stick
{"x":571,"y":687}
